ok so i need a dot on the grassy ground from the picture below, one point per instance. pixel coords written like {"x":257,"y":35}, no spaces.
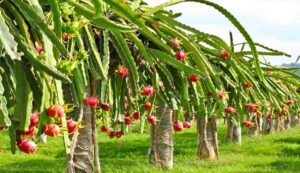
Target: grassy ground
{"x":268,"y":153}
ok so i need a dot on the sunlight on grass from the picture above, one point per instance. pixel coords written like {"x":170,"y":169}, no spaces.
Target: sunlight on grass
{"x":267,"y":153}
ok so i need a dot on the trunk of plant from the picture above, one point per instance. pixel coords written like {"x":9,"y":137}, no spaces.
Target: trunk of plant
{"x":82,"y":151}
{"x":279,"y":124}
{"x":127,"y":128}
{"x":73,"y":144}
{"x":272,"y":126}
{"x":234,"y":132}
{"x":287,"y":122}
{"x":94,"y":131}
{"x":254,"y":131}
{"x":162,"y":138}
{"x":207,"y":138}
{"x":260,"y":122}
{"x":84,"y":146}
{"x":225,"y":121}
{"x":152,"y":139}
{"x":294,"y":120}
{"x":268,"y":125}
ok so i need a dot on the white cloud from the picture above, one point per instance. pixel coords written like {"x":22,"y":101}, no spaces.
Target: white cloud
{"x":268,"y":21}
{"x":274,"y":11}
{"x":291,"y":47}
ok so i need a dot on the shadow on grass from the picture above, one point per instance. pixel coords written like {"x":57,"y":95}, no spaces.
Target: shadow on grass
{"x":290,"y":140}
{"x":291,"y":153}
{"x":127,"y":154}
{"x":123,"y":148}
{"x":286,"y":166}
{"x":118,"y":156}
{"x":34,"y":165}
{"x":185,"y":143}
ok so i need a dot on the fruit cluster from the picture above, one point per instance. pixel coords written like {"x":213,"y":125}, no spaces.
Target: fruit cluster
{"x":54,"y":112}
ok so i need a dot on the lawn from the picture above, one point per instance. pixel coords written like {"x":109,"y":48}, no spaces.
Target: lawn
{"x":267,"y":153}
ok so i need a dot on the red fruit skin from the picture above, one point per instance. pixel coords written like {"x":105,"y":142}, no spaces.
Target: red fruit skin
{"x":59,"y":123}
{"x":60,"y":111}
{"x":136,"y":115}
{"x":248,"y":124}
{"x":269,"y":116}
{"x":111,"y":134}
{"x":51,"y":129}
{"x":38,"y":47}
{"x":148,"y":90}
{"x":127,"y":120}
{"x":65,"y":36}
{"x":251,"y":107}
{"x":281,"y":114}
{"x":26,"y":146}
{"x":127,"y":114}
{"x":156,"y":25}
{"x":31,"y":131}
{"x":268,"y":73}
{"x":72,"y":126}
{"x":224,"y":54}
{"x":34,"y":119}
{"x":220,"y":95}
{"x":177,"y":126}
{"x":147,"y":106}
{"x":187,"y":125}
{"x":283,"y":106}
{"x":194,"y":78}
{"x":55,"y":111}
{"x":122,"y":71}
{"x":180,"y":55}
{"x":210,"y":95}
{"x":152,"y":119}
{"x":105,"y":106}
{"x":119,"y":134}
{"x":104,"y":129}
{"x":91,"y":101}
{"x":176,"y":43}
{"x":258,"y":113}
{"x":290,"y":102}
{"x":51,"y":111}
{"x":247,"y":84}
{"x":229,"y":110}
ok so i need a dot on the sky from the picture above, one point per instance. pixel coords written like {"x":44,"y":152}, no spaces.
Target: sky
{"x":274,"y":23}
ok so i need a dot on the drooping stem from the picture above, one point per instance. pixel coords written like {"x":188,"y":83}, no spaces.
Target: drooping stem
{"x":94,"y":131}
{"x":82,"y":144}
{"x":70,"y":156}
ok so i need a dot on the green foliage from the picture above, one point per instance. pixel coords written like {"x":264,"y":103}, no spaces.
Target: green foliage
{"x":51,"y":53}
{"x":7,"y":40}
{"x":23,"y":97}
{"x":4,"y":119}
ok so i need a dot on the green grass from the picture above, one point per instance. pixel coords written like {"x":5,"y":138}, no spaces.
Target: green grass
{"x":267,"y":153}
